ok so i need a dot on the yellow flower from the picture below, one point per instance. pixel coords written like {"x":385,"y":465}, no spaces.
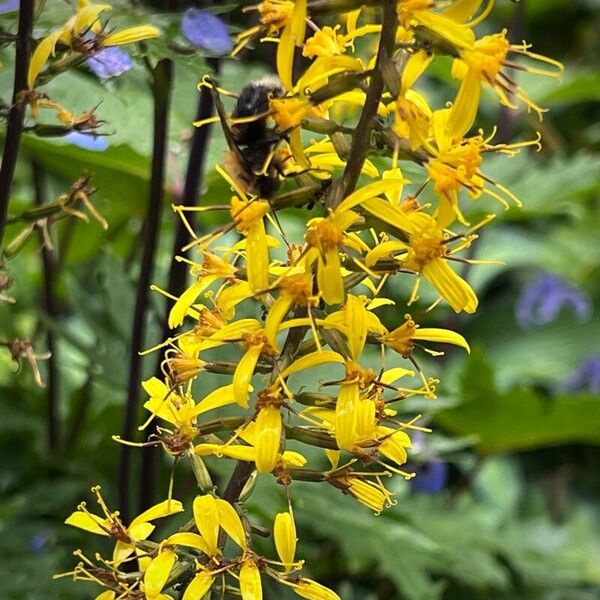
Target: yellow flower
{"x":427,"y":255}
{"x":482,"y":63}
{"x":448,"y":25}
{"x":111,"y":526}
{"x":213,"y":268}
{"x":403,"y":338}
{"x":73,"y":32}
{"x":274,"y":14}
{"x":454,"y":165}
{"x":325,"y":42}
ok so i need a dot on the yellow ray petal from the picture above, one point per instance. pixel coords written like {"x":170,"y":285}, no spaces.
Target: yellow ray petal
{"x":158,"y":572}
{"x":232,"y":524}
{"x":206,"y":516}
{"x":268,"y":438}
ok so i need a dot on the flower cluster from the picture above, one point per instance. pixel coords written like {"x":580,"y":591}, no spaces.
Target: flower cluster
{"x":330,"y":139}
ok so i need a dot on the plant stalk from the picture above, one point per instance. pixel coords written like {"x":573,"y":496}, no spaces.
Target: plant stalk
{"x":16,"y":113}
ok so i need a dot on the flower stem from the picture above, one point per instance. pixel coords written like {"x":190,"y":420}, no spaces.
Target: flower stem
{"x":178,"y":269}
{"x":50,"y":307}
{"x":162,"y":83}
{"x":362,"y":135}
{"x":16,"y":114}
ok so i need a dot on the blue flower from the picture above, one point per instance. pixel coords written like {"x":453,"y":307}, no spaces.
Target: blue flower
{"x":9,"y":6}
{"x":431,"y":478}
{"x":206,"y":31}
{"x":586,"y":377}
{"x":542,"y":300}
{"x":110,"y":62}
{"x":87,"y":141}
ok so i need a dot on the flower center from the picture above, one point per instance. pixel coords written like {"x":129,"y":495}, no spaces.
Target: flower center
{"x":487,"y":55}
{"x":324,"y":236}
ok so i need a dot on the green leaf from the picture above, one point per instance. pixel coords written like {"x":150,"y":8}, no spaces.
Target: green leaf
{"x":519,"y":418}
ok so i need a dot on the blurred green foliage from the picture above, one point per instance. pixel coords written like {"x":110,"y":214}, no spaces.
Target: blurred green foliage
{"x":519,"y":516}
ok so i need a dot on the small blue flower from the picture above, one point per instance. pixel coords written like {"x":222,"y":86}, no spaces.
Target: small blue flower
{"x":110,"y":62}
{"x":431,"y":478}
{"x":9,"y":6}
{"x":586,"y":378}
{"x":206,"y":31}
{"x":39,"y":542}
{"x":87,"y":141}
{"x":542,"y":300}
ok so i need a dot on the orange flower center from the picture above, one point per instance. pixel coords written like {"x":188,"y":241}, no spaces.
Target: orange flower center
{"x":324,"y":236}
{"x":487,"y":55}
{"x":247,"y":213}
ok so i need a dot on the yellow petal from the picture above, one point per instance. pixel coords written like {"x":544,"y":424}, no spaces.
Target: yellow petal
{"x":108,"y":595}
{"x":313,"y":359}
{"x":307,"y":588}
{"x":243,"y":375}
{"x":199,"y":586}
{"x":369,"y":191}
{"x":131,"y":35}
{"x":329,"y":277}
{"x":216,"y":399}
{"x":276,"y":314}
{"x":88,"y":15}
{"x":355,"y":314}
{"x":394,"y":446}
{"x":158,"y":511}
{"x":40,"y":55}
{"x":232,"y":524}
{"x":333,"y":456}
{"x":186,"y":300}
{"x":88,"y":522}
{"x":190,"y":540}
{"x":121,"y":552}
{"x":250,"y":583}
{"x":291,"y":36}
{"x":140,"y":531}
{"x":389,"y":213}
{"x":284,"y":533}
{"x":443,"y":336}
{"x":257,"y":257}
{"x":461,"y":10}
{"x":345,"y":416}
{"x":158,"y":572}
{"x":392,"y":375}
{"x":464,"y":109}
{"x":456,"y":291}
{"x":268,"y":438}
{"x":206,"y":516}
{"x":293,"y":459}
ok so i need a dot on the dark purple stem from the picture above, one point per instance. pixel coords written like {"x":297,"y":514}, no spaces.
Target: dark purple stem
{"x":51,"y":309}
{"x":178,"y":270}
{"x":16,"y":114}
{"x":162,"y":84}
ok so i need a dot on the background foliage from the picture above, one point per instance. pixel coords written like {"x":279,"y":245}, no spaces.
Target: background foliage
{"x":518,"y":514}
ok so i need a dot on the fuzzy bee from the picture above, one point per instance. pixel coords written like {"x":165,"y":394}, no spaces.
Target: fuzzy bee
{"x":255,"y":156}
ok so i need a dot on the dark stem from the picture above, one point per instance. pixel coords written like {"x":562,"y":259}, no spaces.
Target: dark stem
{"x":178,"y":270}
{"x":361,"y":139}
{"x":162,"y":83}
{"x":49,"y":267}
{"x":16,"y":114}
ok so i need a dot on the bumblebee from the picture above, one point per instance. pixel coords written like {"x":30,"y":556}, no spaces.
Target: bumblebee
{"x":255,"y":157}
